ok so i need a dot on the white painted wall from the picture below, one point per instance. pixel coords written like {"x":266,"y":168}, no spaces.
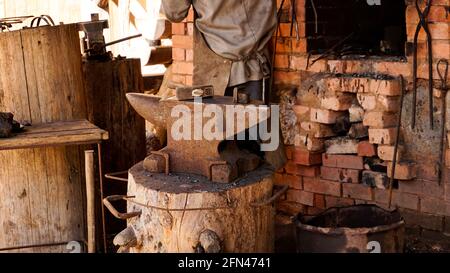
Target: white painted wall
{"x":67,"y":11}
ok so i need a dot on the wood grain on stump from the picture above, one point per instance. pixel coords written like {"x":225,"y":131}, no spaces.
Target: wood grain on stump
{"x":187,"y":213}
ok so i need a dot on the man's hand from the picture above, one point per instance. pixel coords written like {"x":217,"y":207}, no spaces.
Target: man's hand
{"x":176,"y":10}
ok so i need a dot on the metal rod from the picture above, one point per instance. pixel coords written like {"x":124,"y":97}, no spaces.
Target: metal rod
{"x":444,"y":88}
{"x":100,"y":171}
{"x":35,"y":246}
{"x":114,"y":176}
{"x":90,"y":200}
{"x":397,"y":141}
{"x":123,"y":40}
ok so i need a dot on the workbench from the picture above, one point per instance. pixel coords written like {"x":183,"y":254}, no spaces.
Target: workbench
{"x":79,"y":132}
{"x":59,"y":134}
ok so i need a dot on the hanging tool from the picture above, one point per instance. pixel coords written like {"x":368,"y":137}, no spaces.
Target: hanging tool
{"x":423,"y":23}
{"x":397,"y":141}
{"x":442,"y":69}
{"x":294,"y":22}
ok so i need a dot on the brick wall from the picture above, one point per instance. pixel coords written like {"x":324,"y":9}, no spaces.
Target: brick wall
{"x":325,"y":170}
{"x":183,"y":50}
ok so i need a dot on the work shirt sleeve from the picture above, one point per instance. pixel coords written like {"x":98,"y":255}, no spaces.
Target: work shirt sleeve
{"x":176,"y":10}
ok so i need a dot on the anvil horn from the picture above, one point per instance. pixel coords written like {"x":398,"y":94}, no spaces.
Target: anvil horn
{"x":148,"y":107}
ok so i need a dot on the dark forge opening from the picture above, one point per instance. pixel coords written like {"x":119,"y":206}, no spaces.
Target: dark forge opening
{"x":355,"y":27}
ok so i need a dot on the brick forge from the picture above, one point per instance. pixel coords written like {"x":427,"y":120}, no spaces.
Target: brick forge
{"x":340,"y":127}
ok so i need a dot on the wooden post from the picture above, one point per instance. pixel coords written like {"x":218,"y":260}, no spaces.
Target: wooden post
{"x":90,"y":200}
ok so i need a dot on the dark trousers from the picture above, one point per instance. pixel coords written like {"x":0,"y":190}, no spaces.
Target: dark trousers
{"x":253,"y":88}
{"x":275,"y":158}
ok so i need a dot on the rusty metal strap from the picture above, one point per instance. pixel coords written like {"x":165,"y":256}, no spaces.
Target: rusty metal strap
{"x":38,"y":246}
{"x":115,"y":176}
{"x":271,"y":200}
{"x":122,"y":216}
{"x":125,"y":216}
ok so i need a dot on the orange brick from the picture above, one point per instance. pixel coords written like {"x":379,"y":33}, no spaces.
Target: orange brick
{"x":319,"y":201}
{"x":307,"y":158}
{"x":178,"y":54}
{"x":386,"y":153}
{"x":325,"y":116}
{"x":301,"y":63}
{"x":182,"y":41}
{"x":301,"y":197}
{"x":385,"y":87}
{"x":365,"y":148}
{"x":178,"y":28}
{"x":189,"y":80}
{"x":299,"y":46}
{"x":357,"y":191}
{"x":322,"y":186}
{"x":179,"y":79}
{"x":379,"y":119}
{"x":287,"y":77}
{"x":403,"y":170}
{"x":189,"y":55}
{"x":290,"y":152}
{"x":393,"y":68}
{"x":447,"y":158}
{"x":283,"y":45}
{"x":340,"y":175}
{"x":439,"y":31}
{"x":183,"y":68}
{"x":400,"y":199}
{"x":190,"y":29}
{"x":302,"y":112}
{"x":383,"y":136}
{"x":308,"y":171}
{"x":282,"y":61}
{"x":337,"y":102}
{"x":437,"y":14}
{"x":332,"y":202}
{"x":343,"y":161}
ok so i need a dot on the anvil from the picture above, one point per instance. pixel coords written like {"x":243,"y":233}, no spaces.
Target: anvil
{"x":218,"y":157}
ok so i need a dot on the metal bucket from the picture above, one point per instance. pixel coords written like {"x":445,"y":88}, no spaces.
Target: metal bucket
{"x":355,"y":229}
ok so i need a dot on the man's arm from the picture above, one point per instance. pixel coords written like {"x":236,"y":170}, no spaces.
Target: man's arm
{"x":176,"y":10}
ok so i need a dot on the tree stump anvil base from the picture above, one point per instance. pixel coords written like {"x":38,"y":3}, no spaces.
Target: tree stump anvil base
{"x":184,"y":213}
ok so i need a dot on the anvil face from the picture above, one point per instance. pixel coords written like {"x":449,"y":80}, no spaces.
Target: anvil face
{"x":201,"y":135}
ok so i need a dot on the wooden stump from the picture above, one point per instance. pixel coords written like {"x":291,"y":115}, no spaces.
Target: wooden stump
{"x":187,"y":213}
{"x":106,"y":85}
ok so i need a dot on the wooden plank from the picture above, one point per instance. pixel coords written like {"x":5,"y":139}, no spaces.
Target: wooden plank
{"x":13,"y":86}
{"x":106,"y":85}
{"x":61,"y":133}
{"x":54,"y":73}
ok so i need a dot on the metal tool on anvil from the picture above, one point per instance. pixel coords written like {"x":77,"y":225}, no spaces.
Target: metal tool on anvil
{"x":216,"y":158}
{"x":184,"y":93}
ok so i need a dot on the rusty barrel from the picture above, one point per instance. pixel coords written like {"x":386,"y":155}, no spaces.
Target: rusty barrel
{"x":355,"y":229}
